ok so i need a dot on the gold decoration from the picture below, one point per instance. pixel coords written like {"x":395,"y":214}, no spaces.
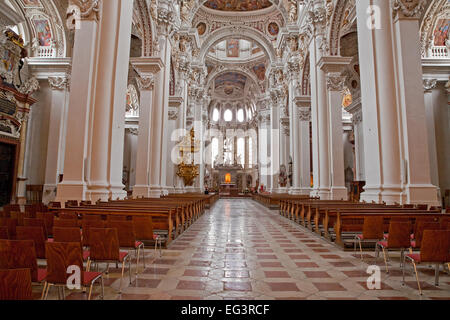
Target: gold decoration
{"x":187,"y":169}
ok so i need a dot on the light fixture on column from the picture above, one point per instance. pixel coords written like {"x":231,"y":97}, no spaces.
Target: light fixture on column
{"x":187,"y":170}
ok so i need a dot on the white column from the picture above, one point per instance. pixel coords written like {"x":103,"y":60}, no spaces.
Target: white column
{"x":359,"y":145}
{"x":263,"y":149}
{"x":274,"y":147}
{"x":335,"y":85}
{"x":56,"y":135}
{"x":84,"y":68}
{"x":429,"y":86}
{"x":379,"y":105}
{"x":105,"y":179}
{"x":301,"y":160}
{"x":417,"y":175}
{"x":146,"y":68}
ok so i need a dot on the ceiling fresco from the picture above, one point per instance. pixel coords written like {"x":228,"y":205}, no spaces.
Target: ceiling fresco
{"x":231,"y":79}
{"x":238,"y":5}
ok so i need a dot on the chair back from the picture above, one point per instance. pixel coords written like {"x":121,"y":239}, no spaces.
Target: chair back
{"x":67,"y":235}
{"x":30,"y":211}
{"x":60,"y":256}
{"x":19,"y":216}
{"x":4,"y":233}
{"x":421,"y":227}
{"x":113,"y":217}
{"x":11,"y":224}
{"x":435,"y":246}
{"x":125,"y":232}
{"x":91,"y":217}
{"x":68,"y":215}
{"x":48,"y":219}
{"x":17,"y":254}
{"x":399,"y":234}
{"x":15,"y":284}
{"x":34,"y":222}
{"x":65,"y":223}
{"x":71,"y":203}
{"x":86,"y":226}
{"x":143,"y":227}
{"x":373,"y":228}
{"x":104,"y":244}
{"x":37,"y":235}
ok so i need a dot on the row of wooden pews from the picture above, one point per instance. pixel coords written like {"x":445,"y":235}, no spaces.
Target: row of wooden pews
{"x":274,"y":201}
{"x":339,"y":220}
{"x":171,"y":215}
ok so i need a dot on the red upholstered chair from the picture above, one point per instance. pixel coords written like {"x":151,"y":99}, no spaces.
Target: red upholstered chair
{"x":71,"y":235}
{"x":143,"y":227}
{"x":19,"y":216}
{"x":435,"y":249}
{"x":399,"y":239}
{"x":127,"y":239}
{"x":48,"y":219}
{"x":61,"y":256}
{"x":373,"y":231}
{"x":416,"y":243}
{"x":15,"y":284}
{"x":104,"y":248}
{"x":18,"y":254}
{"x":68,"y":215}
{"x":4,"y":233}
{"x":11,"y":224}
{"x":65,"y":223}
{"x":86,"y":226}
{"x":34,"y":222}
{"x":37,"y":235}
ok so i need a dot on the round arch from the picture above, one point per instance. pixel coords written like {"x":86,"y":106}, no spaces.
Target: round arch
{"x":245,"y":33}
{"x":217,"y":73}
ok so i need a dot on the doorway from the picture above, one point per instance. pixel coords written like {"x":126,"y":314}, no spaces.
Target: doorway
{"x":7,"y":174}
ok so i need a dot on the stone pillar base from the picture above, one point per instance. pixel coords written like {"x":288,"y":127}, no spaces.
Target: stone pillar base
{"x":141,"y":192}
{"x":179,"y":190}
{"x":49,"y":193}
{"x":339,"y":193}
{"x":281,"y":190}
{"x":98,"y":192}
{"x":118,"y":193}
{"x":71,"y":191}
{"x":422,"y":194}
{"x":324,"y":194}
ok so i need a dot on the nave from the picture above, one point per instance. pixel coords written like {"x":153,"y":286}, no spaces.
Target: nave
{"x":239,"y":249}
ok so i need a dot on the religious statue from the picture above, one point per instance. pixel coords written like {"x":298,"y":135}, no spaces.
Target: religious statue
{"x":293,"y":11}
{"x":154,"y":9}
{"x":186,"y":9}
{"x":282,"y":177}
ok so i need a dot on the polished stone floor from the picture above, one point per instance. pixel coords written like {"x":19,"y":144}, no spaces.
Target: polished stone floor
{"x":241,"y":250}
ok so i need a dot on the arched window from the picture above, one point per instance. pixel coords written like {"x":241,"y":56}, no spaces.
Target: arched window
{"x":228,"y":115}
{"x":214,"y":150}
{"x":216,"y":115}
{"x":240,"y":115}
{"x":250,"y":114}
{"x":241,"y":151}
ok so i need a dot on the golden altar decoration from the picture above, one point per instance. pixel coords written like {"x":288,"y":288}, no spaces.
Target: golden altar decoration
{"x":187,"y":169}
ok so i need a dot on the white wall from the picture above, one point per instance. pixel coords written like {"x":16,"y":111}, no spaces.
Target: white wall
{"x":442,"y":126}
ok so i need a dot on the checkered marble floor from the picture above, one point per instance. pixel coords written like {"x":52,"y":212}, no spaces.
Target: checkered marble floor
{"x":242,"y":250}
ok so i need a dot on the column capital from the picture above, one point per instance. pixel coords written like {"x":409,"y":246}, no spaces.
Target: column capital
{"x":89,"y":9}
{"x":59,"y":83}
{"x":146,"y":82}
{"x":408,"y":8}
{"x":335,"y":81}
{"x":304,"y":114}
{"x":147,"y":66}
{"x":429,"y":84}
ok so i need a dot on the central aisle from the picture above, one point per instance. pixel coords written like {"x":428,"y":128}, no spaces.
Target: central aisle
{"x":240,"y":249}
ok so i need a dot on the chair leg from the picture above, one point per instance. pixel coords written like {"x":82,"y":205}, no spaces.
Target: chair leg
{"x":103,"y":288}
{"x":143,"y":254}
{"x":417,"y":278}
{"x":129,"y":267}
{"x":377,"y":253}
{"x":360,"y":250}
{"x":136,"y":253}
{"x":121,"y":279}
{"x":63,"y":292}
{"x":436,"y":275}
{"x":46,"y":292}
{"x":43,"y":290}
{"x":385,"y":260}
{"x":90,"y":291}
